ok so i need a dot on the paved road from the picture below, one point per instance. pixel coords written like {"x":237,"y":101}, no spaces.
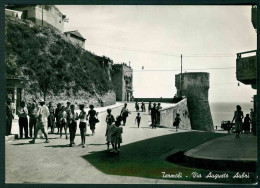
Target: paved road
{"x":57,"y":163}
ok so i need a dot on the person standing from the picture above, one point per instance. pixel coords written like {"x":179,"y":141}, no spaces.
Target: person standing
{"x":67,"y":109}
{"x":33,"y":120}
{"x":177,"y":121}
{"x":116,"y":135}
{"x":136,"y":106}
{"x":9,"y":116}
{"x":149,"y":107}
{"x":109,"y":121}
{"x":124,"y":113}
{"x":57,"y":111}
{"x":23,"y":120}
{"x":82,"y":124}
{"x":92,"y":118}
{"x":73,"y":116}
{"x":62,"y":119}
{"x":51,"y":118}
{"x":42,"y":121}
{"x":238,"y":117}
{"x":143,"y":107}
{"x":247,"y":121}
{"x":154,"y":116}
{"x":158,"y":113}
{"x":253,"y":121}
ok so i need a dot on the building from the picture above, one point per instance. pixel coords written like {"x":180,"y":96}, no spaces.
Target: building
{"x":14,"y":13}
{"x":45,"y":15}
{"x":195,"y":86}
{"x":122,"y":79}
{"x":246,"y":62}
{"x":76,"y":38}
{"x":15,"y":90}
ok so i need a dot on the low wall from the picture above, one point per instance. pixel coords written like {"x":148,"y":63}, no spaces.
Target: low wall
{"x":167,"y":115}
{"x":162,"y":100}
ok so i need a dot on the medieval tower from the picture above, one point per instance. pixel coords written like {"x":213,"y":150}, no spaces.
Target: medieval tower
{"x":195,"y":86}
{"x":122,"y":78}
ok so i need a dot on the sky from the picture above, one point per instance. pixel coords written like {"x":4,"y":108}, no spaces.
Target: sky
{"x":154,"y":37}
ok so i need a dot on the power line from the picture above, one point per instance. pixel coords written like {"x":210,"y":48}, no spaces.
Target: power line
{"x":158,"y":52}
{"x":158,"y":70}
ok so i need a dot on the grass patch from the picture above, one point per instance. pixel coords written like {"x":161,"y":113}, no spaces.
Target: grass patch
{"x":147,"y":159}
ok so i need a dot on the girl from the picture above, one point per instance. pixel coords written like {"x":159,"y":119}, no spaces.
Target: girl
{"x":177,"y":121}
{"x":92,"y":118}
{"x":62,"y":119}
{"x":116,"y":135}
{"x":83,"y":124}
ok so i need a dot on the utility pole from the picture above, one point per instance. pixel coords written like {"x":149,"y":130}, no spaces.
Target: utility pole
{"x":181,"y":79}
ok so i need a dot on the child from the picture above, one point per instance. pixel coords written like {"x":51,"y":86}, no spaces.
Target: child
{"x":138,"y":119}
{"x":83,"y":124}
{"x":143,"y":107}
{"x":109,"y":119}
{"x":116,"y":134}
{"x":136,"y":106}
{"x":177,"y":121}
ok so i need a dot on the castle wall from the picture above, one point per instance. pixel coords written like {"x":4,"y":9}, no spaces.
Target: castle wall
{"x":167,"y":115}
{"x":122,"y":80}
{"x":195,"y":87}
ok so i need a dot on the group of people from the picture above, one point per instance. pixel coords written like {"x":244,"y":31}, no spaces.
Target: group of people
{"x":241,"y":126}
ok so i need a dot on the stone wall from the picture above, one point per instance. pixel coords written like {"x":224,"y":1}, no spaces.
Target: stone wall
{"x":195,"y":86}
{"x":167,"y":115}
{"x":82,"y":97}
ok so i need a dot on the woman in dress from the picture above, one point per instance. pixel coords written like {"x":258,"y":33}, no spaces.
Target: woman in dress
{"x":92,"y":119}
{"x":238,"y":117}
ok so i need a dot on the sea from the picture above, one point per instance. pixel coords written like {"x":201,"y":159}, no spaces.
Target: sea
{"x":224,"y":111}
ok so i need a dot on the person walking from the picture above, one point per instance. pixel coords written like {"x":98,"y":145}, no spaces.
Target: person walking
{"x":82,"y":124}
{"x":51,"y":118}
{"x":238,"y":117}
{"x":57,"y":111}
{"x":116,"y":135}
{"x":177,"y":121}
{"x":9,"y":116}
{"x":247,"y":121}
{"x":138,"y":119}
{"x":23,"y":120}
{"x":33,"y":120}
{"x":109,"y":120}
{"x":92,"y":114}
{"x":73,"y":116}
{"x":42,"y":121}
{"x":154,"y":116}
{"x":124,"y":113}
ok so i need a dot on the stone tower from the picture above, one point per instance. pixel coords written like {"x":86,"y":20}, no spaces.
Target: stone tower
{"x":122,"y":78}
{"x":195,"y":86}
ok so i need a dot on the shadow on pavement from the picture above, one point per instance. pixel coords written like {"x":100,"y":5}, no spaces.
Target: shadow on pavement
{"x":58,"y":146}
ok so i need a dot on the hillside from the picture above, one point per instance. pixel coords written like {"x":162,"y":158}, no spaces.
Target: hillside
{"x":53,"y":67}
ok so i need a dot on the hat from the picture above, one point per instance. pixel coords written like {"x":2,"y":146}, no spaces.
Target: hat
{"x":41,"y":100}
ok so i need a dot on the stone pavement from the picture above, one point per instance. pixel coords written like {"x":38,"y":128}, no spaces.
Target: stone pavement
{"x":57,"y":163}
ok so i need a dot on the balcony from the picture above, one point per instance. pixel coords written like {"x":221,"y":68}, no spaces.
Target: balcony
{"x":246,"y":68}
{"x":254,"y":16}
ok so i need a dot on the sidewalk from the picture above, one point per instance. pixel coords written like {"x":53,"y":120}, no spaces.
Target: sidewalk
{"x":227,"y":152}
